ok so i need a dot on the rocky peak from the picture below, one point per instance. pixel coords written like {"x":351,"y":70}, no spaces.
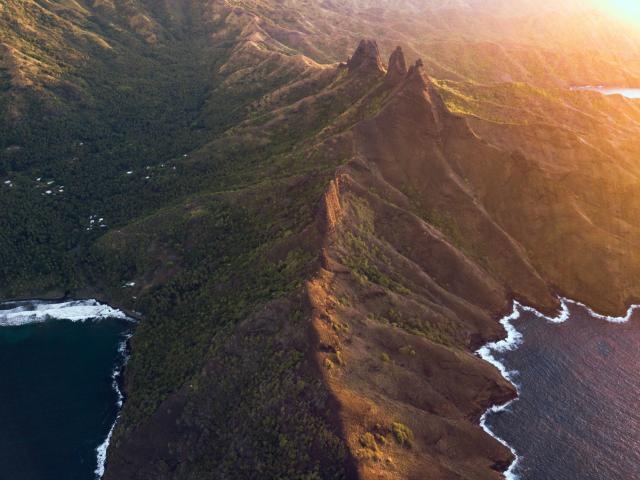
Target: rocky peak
{"x":416,"y":68}
{"x":415,"y":78}
{"x":366,"y":57}
{"x":397,"y":67}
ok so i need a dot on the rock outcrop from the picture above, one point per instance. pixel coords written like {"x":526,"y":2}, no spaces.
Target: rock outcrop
{"x":366,"y":58}
{"x":397,"y":68}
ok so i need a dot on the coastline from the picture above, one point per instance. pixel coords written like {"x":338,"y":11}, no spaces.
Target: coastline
{"x":83,"y":294}
{"x":488,"y":352}
{"x":513,"y":341}
{"x":77,"y":310}
{"x":116,"y":377}
{"x":38,"y":311}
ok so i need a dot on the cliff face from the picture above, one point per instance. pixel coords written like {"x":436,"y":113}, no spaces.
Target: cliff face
{"x":402,"y":301}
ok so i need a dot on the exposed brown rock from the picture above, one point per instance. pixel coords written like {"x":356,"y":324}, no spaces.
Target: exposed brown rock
{"x":420,"y":252}
{"x":331,"y":208}
{"x":407,"y":156}
{"x":366,"y":58}
{"x":397,"y":69}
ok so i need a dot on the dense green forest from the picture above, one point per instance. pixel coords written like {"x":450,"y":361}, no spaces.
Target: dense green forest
{"x":140,"y":174}
{"x":67,"y":160}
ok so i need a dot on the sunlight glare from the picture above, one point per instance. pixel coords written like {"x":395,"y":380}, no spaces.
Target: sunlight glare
{"x":628,"y":10}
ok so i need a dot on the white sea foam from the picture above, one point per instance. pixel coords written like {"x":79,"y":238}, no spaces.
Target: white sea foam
{"x":23,"y":313}
{"x":509,"y":474}
{"x":101,"y":450}
{"x":101,"y":453}
{"x":606,"y":318}
{"x":511,"y":342}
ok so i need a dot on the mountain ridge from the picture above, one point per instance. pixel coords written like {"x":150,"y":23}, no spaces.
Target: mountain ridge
{"x":349,"y":201}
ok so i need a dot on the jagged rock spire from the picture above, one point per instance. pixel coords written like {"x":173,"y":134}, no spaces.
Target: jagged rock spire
{"x":397,"y":67}
{"x":415,"y":79}
{"x":366,"y":57}
{"x":416,"y":68}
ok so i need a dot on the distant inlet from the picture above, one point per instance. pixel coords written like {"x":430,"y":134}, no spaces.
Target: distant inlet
{"x":625,"y":92}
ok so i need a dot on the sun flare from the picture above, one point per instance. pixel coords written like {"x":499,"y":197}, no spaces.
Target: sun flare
{"x":625,"y":9}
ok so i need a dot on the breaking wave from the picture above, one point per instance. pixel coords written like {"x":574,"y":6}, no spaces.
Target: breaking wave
{"x":101,"y":450}
{"x":22,"y":313}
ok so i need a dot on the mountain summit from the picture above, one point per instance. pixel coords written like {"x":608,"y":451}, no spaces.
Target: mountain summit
{"x":397,"y":68}
{"x":366,"y":57}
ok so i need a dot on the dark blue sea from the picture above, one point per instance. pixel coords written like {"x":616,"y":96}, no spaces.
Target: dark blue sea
{"x":578,"y":412}
{"x":58,"y":399}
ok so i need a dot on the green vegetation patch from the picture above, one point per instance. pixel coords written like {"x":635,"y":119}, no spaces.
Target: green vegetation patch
{"x":402,"y":434}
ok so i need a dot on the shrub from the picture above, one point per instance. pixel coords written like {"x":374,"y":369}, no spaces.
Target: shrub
{"x":407,"y":350}
{"x":402,"y":434}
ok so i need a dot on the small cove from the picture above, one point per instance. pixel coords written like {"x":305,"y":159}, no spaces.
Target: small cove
{"x":59,"y":396}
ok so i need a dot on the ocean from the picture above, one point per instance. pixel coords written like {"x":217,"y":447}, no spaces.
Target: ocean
{"x":58,"y":392}
{"x":633,"y":93}
{"x":578,"y":412}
